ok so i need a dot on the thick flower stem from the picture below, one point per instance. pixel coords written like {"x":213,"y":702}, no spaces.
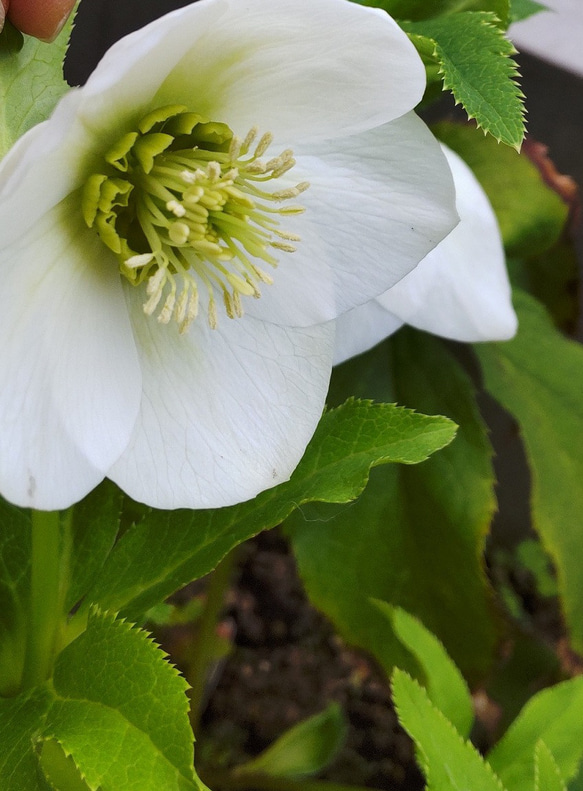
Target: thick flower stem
{"x":49,"y":544}
{"x":203,"y":653}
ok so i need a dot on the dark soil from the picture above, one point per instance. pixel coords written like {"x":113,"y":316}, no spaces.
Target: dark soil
{"x":287,"y":664}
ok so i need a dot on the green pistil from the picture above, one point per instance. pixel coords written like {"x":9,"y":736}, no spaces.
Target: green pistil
{"x":181,"y":203}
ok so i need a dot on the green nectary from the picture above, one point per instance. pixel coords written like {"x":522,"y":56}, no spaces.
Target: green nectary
{"x":181,"y":203}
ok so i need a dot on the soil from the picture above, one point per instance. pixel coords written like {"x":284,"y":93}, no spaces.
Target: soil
{"x":286,"y":663}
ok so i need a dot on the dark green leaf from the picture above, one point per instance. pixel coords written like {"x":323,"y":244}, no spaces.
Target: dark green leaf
{"x":537,"y":377}
{"x":170,"y":548}
{"x":15,"y":557}
{"x":529,"y":227}
{"x":94,"y":527}
{"x":416,"y":10}
{"x":416,"y":535}
{"x":522,"y":9}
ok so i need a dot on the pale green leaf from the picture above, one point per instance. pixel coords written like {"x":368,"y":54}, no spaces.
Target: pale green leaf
{"x":547,"y":776}
{"x":449,"y":762}
{"x":445,"y":685}
{"x":31,"y":83}
{"x":416,"y":535}
{"x":553,"y":715}
{"x":475,"y":63}
{"x":303,"y":750}
{"x":169,"y":549}
{"x":537,"y":377}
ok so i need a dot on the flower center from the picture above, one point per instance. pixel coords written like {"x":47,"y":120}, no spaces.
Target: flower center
{"x":182,"y":205}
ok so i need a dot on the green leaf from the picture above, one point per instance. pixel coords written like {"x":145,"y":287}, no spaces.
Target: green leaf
{"x":303,"y":750}
{"x":59,"y":769}
{"x":95,"y":524}
{"x":449,"y":762}
{"x":553,"y":715}
{"x":445,"y":685}
{"x":522,"y":9}
{"x":115,"y":706}
{"x":31,"y":82}
{"x":529,"y":227}
{"x":547,"y":776}
{"x":15,"y":554}
{"x":415,"y":10}
{"x":537,"y":377}
{"x":21,"y":721}
{"x":475,"y":62}
{"x":170,"y":548}
{"x":415,"y":537}
{"x":532,"y":556}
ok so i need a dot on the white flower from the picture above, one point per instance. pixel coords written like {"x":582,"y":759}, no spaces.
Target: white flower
{"x":105,"y":369}
{"x":460,"y":290}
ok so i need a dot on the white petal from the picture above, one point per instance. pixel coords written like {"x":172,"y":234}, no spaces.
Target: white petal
{"x":69,"y":372}
{"x":226,"y":413}
{"x":307,"y":69}
{"x":362,"y":328}
{"x":42,"y":168}
{"x":461,"y":289}
{"x":377,"y":204}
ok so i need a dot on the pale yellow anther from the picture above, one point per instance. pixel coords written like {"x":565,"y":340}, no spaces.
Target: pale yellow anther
{"x":166,"y":313}
{"x":291,"y":237}
{"x":274,"y":163}
{"x":151,"y":305}
{"x":213,"y":171}
{"x":235,"y":148}
{"x":156,"y":281}
{"x":249,"y":138}
{"x":188,"y":176}
{"x":265,"y":141}
{"x":263,"y":276}
{"x":256,"y":167}
{"x":181,"y":305}
{"x":212,"y":314}
{"x":287,"y":248}
{"x":137,"y":261}
{"x":237,"y":305}
{"x":176,"y":208}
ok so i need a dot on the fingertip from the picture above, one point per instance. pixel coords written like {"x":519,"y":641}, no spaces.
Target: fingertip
{"x":43,"y":19}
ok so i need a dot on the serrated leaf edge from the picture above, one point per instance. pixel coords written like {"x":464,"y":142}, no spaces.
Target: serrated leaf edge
{"x":467,"y":743}
{"x":538,"y":746}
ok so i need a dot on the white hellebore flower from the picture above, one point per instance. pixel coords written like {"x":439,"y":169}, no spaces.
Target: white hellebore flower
{"x":170,"y":273}
{"x":460,"y":290}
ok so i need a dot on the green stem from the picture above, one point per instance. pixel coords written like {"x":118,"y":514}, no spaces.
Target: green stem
{"x":203,"y":653}
{"x":46,"y":596}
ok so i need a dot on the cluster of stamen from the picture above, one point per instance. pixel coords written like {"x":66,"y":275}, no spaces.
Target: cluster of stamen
{"x":182,"y":205}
